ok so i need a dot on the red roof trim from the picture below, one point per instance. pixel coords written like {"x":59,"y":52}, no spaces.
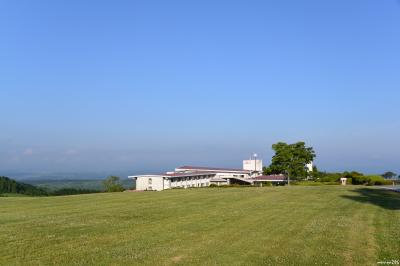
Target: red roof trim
{"x":188,"y":167}
{"x":194,"y":173}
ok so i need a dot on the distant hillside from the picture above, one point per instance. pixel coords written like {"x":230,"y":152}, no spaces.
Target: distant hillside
{"x":8,"y":185}
{"x":92,"y":184}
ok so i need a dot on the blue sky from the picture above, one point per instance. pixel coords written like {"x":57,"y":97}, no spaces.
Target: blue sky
{"x":149,"y":85}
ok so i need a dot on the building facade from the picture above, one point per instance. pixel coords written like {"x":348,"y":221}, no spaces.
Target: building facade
{"x":191,"y":176}
{"x":195,"y":176}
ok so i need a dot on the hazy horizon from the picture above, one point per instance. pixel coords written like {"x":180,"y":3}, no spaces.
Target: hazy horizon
{"x":140,"y":86}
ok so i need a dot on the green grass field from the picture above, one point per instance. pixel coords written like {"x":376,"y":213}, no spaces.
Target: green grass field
{"x":325,"y":225}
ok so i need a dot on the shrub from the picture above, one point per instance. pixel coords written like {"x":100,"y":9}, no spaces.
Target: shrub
{"x":359,"y":180}
{"x":376,"y":180}
{"x":266,"y":184}
{"x":112,"y":184}
{"x":330,"y":177}
{"x":371,"y":180}
{"x":313,"y":183}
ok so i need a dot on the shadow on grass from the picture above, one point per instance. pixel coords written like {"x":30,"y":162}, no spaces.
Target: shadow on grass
{"x":383,"y":198}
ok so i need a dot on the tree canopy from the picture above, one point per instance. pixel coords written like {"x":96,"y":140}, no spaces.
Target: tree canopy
{"x":8,"y":185}
{"x":291,"y":159}
{"x":112,"y":184}
{"x":389,"y":175}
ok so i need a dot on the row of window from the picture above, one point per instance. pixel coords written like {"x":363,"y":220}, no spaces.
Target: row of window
{"x":194,"y":185}
{"x":189,"y":178}
{"x":150,"y":182}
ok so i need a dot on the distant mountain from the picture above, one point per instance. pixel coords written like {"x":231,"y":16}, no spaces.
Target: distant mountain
{"x":8,"y":185}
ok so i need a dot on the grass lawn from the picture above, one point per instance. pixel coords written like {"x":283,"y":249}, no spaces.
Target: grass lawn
{"x":324,"y":225}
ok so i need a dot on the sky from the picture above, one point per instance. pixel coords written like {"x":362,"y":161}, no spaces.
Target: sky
{"x":149,"y":85}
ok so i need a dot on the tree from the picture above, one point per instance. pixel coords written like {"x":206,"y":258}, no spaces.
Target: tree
{"x":112,"y":184}
{"x":315,"y":174}
{"x":8,"y":185}
{"x":267,"y":171}
{"x":291,"y":159}
{"x":389,"y":175}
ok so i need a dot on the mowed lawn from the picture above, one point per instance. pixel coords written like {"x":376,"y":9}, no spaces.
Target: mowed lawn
{"x":325,"y":225}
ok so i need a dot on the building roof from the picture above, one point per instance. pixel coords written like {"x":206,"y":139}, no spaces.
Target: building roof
{"x":194,"y":173}
{"x":270,"y":178}
{"x":177,"y":174}
{"x":188,"y":167}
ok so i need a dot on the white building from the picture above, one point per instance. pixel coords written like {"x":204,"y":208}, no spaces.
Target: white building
{"x":253,"y":165}
{"x":193,"y":176}
{"x":309,"y":167}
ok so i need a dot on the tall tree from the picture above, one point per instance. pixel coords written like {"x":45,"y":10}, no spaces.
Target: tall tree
{"x":112,"y":184}
{"x":389,"y":175}
{"x":291,"y":159}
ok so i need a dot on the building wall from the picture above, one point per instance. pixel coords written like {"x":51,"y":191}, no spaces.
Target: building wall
{"x":190,"y":181}
{"x":150,"y":183}
{"x":309,"y":167}
{"x":155,"y":182}
{"x":252,"y":165}
{"x":228,"y":175}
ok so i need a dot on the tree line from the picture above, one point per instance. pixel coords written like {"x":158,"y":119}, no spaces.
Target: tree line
{"x":291,"y":160}
{"x":8,"y":185}
{"x":11,"y":186}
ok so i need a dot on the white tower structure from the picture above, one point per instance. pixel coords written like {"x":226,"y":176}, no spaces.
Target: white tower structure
{"x":253,"y":164}
{"x":309,"y":167}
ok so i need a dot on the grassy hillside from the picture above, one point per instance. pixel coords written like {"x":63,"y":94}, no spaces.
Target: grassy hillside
{"x":326,"y":225}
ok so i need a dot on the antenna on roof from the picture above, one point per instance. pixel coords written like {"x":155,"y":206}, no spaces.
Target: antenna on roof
{"x":255,"y":162}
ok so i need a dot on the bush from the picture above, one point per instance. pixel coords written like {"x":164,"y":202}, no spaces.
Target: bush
{"x":359,"y":180}
{"x":371,"y":180}
{"x":329,"y":177}
{"x":266,"y":184}
{"x":313,"y":183}
{"x":112,"y":184}
{"x":376,"y":180}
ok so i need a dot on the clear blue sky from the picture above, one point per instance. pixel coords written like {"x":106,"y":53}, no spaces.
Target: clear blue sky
{"x":149,"y":85}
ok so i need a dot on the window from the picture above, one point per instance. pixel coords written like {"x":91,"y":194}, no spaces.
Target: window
{"x":150,"y":181}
